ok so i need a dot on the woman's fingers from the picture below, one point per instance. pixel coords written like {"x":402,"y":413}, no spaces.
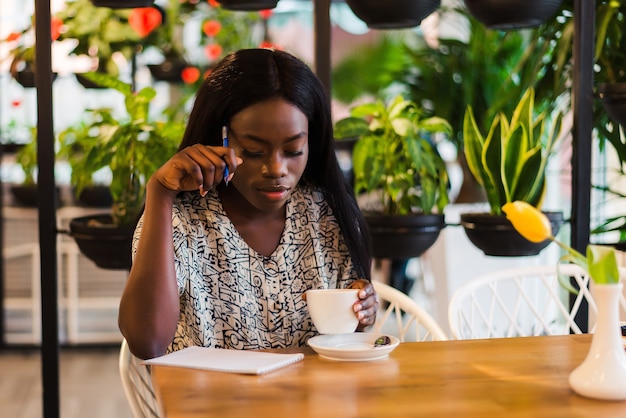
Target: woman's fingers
{"x":198,"y":167}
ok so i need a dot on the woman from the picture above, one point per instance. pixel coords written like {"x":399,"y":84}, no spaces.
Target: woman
{"x":233,"y":236}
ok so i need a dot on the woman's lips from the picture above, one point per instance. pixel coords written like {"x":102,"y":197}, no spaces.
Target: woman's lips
{"x":274,"y":193}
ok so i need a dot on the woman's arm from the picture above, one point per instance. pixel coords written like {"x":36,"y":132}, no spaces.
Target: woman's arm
{"x":149,"y":308}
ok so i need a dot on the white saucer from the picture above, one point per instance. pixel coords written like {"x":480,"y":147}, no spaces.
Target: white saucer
{"x":357,"y":346}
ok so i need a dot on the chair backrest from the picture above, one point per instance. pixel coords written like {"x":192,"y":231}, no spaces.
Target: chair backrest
{"x":401,"y":316}
{"x":520,"y":302}
{"x":137,"y":385}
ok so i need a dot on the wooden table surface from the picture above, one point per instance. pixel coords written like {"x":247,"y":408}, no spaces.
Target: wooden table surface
{"x":471,"y":378}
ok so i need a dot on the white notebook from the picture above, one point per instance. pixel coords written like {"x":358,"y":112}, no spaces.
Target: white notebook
{"x":226,"y":360}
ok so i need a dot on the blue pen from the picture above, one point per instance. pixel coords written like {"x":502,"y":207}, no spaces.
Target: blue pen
{"x":225,"y":144}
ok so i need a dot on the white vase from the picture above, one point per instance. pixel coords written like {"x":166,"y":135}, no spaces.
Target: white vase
{"x":602,"y":375}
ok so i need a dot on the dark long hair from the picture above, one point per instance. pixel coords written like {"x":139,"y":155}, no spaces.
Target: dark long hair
{"x":250,"y":76}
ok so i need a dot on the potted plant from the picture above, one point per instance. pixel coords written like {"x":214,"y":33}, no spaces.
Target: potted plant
{"x":510,"y":164}
{"x":26,"y":193}
{"x":22,"y":52}
{"x":395,"y":162}
{"x":101,"y":32}
{"x":132,"y":150}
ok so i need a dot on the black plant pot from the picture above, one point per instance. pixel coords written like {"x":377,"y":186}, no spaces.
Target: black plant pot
{"x":26,"y":77}
{"x":248,"y":5}
{"x":122,"y":4}
{"x":169,"y":70}
{"x":400,"y":237}
{"x":512,"y":14}
{"x":495,"y":235}
{"x":393,"y":14}
{"x":103,"y":242}
{"x":28,"y":195}
{"x":613,"y":97}
{"x":95,"y":197}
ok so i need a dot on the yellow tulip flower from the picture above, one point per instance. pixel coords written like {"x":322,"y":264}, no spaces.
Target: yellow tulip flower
{"x":531,"y":223}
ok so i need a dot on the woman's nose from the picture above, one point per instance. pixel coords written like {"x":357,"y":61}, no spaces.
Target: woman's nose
{"x":275,"y":166}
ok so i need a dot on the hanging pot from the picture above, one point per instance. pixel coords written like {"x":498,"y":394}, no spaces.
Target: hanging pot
{"x":103,"y":242}
{"x":248,"y":5}
{"x":512,"y":14}
{"x":613,"y":97}
{"x":24,"y":73}
{"x":495,"y":235}
{"x":122,"y":4}
{"x":169,"y":70}
{"x":393,"y":14}
{"x":403,"y":236}
{"x":27,"y":195}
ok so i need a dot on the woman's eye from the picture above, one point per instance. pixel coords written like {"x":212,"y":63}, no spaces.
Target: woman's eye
{"x":251,"y":154}
{"x":294,"y":153}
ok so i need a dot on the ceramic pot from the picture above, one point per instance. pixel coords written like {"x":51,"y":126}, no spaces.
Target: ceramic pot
{"x":28,"y":195}
{"x":24,"y":73}
{"x":169,"y":70}
{"x":103,"y":242}
{"x":495,"y":235}
{"x":248,"y":5}
{"x":393,"y":14}
{"x":613,"y":97}
{"x":401,"y":236}
{"x":602,"y":375}
{"x":512,"y":14}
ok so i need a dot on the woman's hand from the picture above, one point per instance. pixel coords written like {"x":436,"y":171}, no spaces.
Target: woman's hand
{"x":367,"y":305}
{"x":197,"y":167}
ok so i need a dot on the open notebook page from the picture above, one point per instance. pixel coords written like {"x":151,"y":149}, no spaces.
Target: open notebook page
{"x":227,"y":360}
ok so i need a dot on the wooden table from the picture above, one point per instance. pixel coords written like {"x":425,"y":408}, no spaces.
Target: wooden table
{"x":472,"y":378}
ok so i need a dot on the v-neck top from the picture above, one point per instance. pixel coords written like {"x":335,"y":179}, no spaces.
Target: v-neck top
{"x":233,"y":297}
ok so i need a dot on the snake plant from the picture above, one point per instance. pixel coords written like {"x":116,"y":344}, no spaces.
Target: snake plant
{"x":510,"y":161}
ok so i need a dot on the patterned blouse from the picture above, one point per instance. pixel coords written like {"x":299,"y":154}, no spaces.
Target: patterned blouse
{"x":233,"y":297}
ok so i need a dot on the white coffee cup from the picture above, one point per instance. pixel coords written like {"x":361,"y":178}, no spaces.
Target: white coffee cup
{"x":331,"y":310}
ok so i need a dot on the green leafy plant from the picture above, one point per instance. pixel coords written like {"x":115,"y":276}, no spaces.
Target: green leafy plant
{"x":100,"y":32}
{"x":132,"y":149}
{"x":26,"y":158}
{"x":396,"y":157}
{"x":510,"y":161}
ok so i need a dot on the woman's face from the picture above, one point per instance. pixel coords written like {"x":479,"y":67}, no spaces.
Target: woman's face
{"x":272,"y":139}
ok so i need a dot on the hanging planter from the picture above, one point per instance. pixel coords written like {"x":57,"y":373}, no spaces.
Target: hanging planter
{"x":169,"y":70}
{"x":495,"y":235}
{"x":512,"y":14}
{"x":248,"y":5}
{"x":393,"y":14}
{"x":122,"y":4}
{"x":401,"y":236}
{"x":613,"y":97}
{"x":24,"y":73}
{"x":106,"y":244}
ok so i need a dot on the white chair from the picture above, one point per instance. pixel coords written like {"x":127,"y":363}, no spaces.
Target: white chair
{"x":405,"y":317}
{"x":519,"y":302}
{"x":137,"y":385}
